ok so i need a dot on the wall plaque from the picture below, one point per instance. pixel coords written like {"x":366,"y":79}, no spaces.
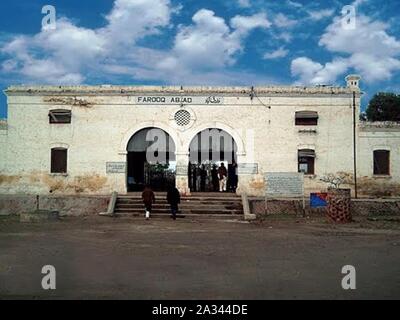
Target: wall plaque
{"x":248,"y":168}
{"x":116,"y":167}
{"x":284,"y":184}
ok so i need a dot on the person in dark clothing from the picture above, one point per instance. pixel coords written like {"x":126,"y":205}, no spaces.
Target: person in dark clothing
{"x":194,"y":178}
{"x":214,"y":178}
{"x":190,"y":176}
{"x":203,"y":176}
{"x":148,"y":200}
{"x":173,"y":198}
{"x":222,"y":175}
{"x":232,"y":176}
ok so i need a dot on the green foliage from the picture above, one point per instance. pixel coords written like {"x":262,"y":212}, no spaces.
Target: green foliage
{"x":384,"y":106}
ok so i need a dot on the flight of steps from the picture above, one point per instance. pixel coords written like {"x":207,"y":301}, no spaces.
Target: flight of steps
{"x":198,"y":205}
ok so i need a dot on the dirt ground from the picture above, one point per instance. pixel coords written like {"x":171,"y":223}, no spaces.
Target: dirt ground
{"x":129,"y":258}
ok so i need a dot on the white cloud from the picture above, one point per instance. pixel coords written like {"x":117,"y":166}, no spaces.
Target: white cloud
{"x":368,"y":37}
{"x":67,"y":40}
{"x":368,"y":49}
{"x":285,"y":36}
{"x":374,"y":68}
{"x":311,"y":72}
{"x":277,"y":54}
{"x":201,"y":51}
{"x":206,"y":43}
{"x":130,"y":20}
{"x":305,"y":69}
{"x":65,"y":54}
{"x":209,"y":42}
{"x":283,"y":21}
{"x":321,"y":14}
{"x":294,"y":4}
{"x":9,"y":65}
{"x":245,"y":24}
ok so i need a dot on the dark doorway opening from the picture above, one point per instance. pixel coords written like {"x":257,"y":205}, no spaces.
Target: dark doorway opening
{"x":151,"y":160}
{"x":209,"y":150}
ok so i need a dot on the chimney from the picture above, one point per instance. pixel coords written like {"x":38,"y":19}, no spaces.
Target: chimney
{"x":353,"y":81}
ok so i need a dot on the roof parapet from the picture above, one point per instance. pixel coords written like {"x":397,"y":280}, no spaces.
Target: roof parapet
{"x":129,"y":90}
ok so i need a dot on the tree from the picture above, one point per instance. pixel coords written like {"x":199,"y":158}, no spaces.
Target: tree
{"x":384,"y":106}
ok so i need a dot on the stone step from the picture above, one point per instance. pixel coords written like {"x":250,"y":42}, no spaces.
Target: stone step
{"x":183,"y":208}
{"x":197,"y":211}
{"x":186,"y":199}
{"x":193,"y":194}
{"x":191,"y":199}
{"x":186,"y":211}
{"x":184,"y":216}
{"x":211,"y":205}
{"x":184,"y":203}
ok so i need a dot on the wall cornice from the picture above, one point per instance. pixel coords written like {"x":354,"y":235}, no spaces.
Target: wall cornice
{"x":175,"y":90}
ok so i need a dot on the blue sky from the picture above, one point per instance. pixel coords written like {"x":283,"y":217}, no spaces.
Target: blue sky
{"x":193,"y":42}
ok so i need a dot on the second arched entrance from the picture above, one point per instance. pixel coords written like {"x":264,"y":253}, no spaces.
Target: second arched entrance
{"x":213,"y":162}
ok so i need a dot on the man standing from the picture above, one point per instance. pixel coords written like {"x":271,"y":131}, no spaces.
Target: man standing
{"x":148,"y":200}
{"x":173,"y":198}
{"x":222,"y":175}
{"x":214,"y":178}
{"x":203,"y":176}
{"x":232,"y":176}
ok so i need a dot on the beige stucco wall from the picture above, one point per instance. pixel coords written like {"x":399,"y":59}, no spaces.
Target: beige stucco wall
{"x":379,"y":136}
{"x":104,"y":119}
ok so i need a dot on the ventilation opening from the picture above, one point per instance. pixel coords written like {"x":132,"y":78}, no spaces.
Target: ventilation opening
{"x":182,"y":118}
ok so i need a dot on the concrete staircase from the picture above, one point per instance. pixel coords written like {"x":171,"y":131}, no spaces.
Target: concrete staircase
{"x":198,"y":205}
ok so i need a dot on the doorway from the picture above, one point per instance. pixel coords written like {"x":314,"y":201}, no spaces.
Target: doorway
{"x":151,"y":160}
{"x":210,"y":150}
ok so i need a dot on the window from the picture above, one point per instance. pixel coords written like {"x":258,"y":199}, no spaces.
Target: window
{"x":382,"y":162}
{"x":306,"y":160}
{"x":60,"y":116}
{"x":306,"y":118}
{"x":59,"y":160}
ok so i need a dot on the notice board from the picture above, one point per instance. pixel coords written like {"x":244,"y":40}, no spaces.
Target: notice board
{"x":284,"y":184}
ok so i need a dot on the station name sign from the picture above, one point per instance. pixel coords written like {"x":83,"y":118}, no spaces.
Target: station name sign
{"x":208,"y":100}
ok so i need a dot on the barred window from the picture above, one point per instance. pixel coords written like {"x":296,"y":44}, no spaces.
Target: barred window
{"x":306,"y":161}
{"x":60,"y":116}
{"x":306,"y":118}
{"x":381,"y":162}
{"x":59,"y":160}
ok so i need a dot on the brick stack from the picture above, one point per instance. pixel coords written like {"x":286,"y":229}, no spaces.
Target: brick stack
{"x":339,"y":205}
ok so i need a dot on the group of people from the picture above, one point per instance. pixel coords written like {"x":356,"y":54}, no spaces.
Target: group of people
{"x":217,"y":179}
{"x":173,"y":198}
{"x":223,"y":179}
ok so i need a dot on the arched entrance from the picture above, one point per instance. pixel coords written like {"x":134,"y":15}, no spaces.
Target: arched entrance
{"x":210,"y":150}
{"x":151,"y":160}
